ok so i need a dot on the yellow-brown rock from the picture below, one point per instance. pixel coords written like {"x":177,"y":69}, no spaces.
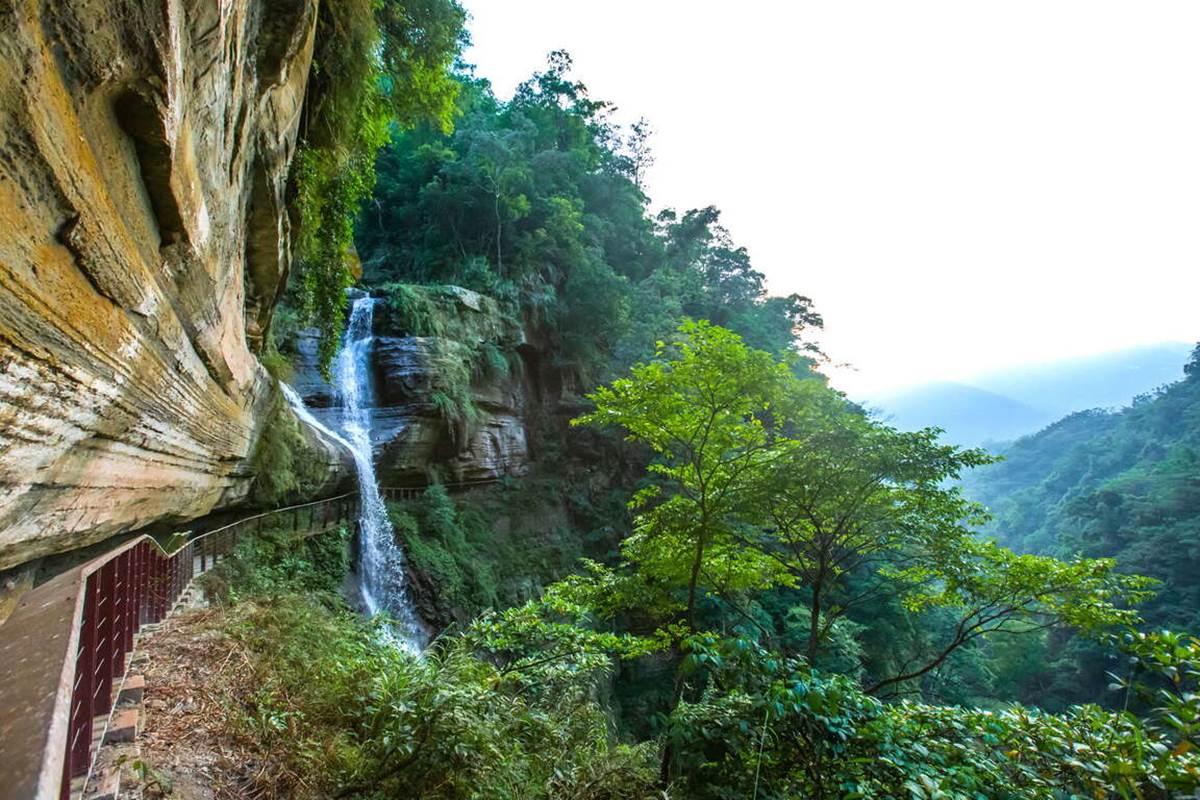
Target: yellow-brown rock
{"x":144,"y":239}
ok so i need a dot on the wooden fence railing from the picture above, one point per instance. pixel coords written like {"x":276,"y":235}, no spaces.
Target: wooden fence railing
{"x":65,"y":644}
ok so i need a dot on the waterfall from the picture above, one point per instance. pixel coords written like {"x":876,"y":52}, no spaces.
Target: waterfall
{"x":297,"y":403}
{"x":381,"y":562}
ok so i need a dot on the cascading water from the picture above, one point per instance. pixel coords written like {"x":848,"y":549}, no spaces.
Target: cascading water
{"x":381,"y":562}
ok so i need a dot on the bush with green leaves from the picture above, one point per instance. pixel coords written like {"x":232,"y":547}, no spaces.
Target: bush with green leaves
{"x":768,"y":726}
{"x":1164,"y":676}
{"x":447,"y":544}
{"x":275,"y":562}
{"x":506,"y":708}
{"x":471,"y":560}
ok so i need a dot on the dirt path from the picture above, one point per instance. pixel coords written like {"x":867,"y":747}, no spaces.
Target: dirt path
{"x":195,"y":674}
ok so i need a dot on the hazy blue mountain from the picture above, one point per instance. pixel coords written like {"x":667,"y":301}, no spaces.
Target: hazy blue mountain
{"x":1109,"y":380}
{"x":970,"y":415}
{"x":1002,"y":406}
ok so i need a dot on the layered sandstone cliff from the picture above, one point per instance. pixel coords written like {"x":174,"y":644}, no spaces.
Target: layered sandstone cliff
{"x":144,"y":240}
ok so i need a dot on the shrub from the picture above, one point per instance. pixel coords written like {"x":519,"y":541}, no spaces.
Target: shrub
{"x":276,"y":563}
{"x":340,"y":712}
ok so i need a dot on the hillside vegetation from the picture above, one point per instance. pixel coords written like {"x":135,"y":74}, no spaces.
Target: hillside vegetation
{"x":719,"y":579}
{"x":1123,"y":485}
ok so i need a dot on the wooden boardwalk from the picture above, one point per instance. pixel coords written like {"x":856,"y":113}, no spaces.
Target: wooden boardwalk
{"x":64,"y":648}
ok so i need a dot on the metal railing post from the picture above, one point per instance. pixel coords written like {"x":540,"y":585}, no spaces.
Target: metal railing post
{"x":79,"y":748}
{"x":103,"y":666}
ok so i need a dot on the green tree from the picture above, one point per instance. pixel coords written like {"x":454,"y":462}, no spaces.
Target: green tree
{"x":704,"y":406}
{"x":536,"y":202}
{"x":847,"y":497}
{"x":764,"y":479}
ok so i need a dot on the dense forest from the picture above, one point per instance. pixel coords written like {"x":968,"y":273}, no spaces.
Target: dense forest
{"x":759,"y":591}
{"x":1106,"y":484}
{"x":370,"y":432}
{"x":537,"y":203}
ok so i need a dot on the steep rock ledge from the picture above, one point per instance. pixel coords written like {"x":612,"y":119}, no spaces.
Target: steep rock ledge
{"x":414,"y":430}
{"x":144,"y":152}
{"x":415,"y":434}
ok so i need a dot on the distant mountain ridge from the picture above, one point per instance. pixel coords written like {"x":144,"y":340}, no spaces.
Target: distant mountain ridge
{"x":1002,"y":406}
{"x":968,"y":414}
{"x":1122,"y":484}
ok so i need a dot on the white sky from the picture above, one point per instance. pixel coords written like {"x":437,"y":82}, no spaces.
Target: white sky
{"x":959,"y":185}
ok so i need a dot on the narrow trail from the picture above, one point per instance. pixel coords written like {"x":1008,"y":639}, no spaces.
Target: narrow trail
{"x":194,"y":672}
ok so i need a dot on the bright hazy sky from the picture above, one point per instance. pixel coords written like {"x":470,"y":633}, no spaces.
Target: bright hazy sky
{"x":959,"y":185}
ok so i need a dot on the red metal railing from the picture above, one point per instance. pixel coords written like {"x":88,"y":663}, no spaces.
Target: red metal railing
{"x":95,"y":610}
{"x":406,"y":493}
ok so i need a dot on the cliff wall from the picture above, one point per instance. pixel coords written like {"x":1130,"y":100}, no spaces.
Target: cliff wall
{"x":144,"y":240}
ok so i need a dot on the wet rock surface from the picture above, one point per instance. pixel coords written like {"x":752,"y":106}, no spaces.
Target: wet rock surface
{"x":415,"y":434}
{"x":411,"y":434}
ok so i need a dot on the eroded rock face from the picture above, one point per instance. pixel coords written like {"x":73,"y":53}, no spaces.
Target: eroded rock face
{"x":144,"y":151}
{"x":413,"y":434}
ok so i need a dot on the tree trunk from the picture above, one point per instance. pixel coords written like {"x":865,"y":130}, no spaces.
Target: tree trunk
{"x":664,"y":771}
{"x":697,"y":560}
{"x":814,"y":627}
{"x":499,"y":234}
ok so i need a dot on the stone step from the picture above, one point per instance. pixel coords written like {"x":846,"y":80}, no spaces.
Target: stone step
{"x":107,"y":786}
{"x":132,"y":690}
{"x":124,"y":727}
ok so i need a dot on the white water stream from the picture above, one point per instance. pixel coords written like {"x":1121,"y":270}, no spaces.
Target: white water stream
{"x":381,"y":562}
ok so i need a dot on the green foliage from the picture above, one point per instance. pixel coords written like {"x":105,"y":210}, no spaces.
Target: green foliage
{"x":536,"y":202}
{"x":699,"y":405}
{"x":448,"y":312}
{"x":510,"y":706}
{"x":414,"y":310}
{"x":341,"y":712}
{"x":276,"y":562}
{"x":473,"y":341}
{"x":491,"y":548}
{"x":765,"y":480}
{"x":377,"y":63}
{"x":1110,"y":485}
{"x":281,"y":461}
{"x":846,"y":497}
{"x":447,"y":544}
{"x":1165,"y":675}
{"x":153,"y":781}
{"x":771,"y":727}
